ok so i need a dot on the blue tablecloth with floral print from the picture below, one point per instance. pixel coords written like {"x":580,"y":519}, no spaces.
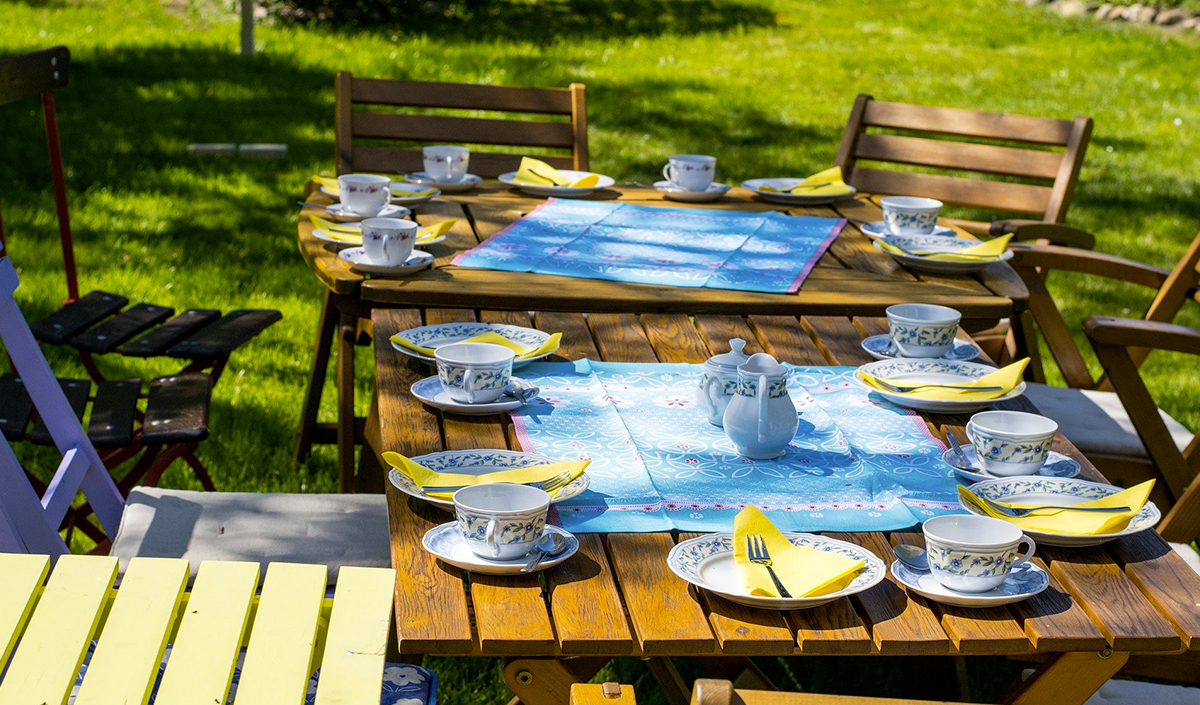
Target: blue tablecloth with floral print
{"x":685,"y":247}
{"x":857,"y":463}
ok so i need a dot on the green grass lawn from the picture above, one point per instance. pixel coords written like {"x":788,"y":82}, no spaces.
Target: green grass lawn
{"x":766,"y":86}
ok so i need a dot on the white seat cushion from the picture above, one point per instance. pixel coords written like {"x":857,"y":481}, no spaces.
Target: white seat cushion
{"x":1096,"y":422}
{"x":1189,"y":556}
{"x":330,"y":529}
{"x":1119,"y":692}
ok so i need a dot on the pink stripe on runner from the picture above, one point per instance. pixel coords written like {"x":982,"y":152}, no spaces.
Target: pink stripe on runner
{"x":488,"y":241}
{"x":812,"y":262}
{"x":522,"y":432}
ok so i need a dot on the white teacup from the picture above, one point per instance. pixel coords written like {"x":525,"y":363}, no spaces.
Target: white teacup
{"x":1011,"y":442}
{"x":364,"y":194}
{"x":474,"y":373}
{"x":910,"y":215}
{"x":691,"y":172}
{"x":969,"y":553}
{"x":388,"y":242}
{"x":446,"y":164}
{"x":501,"y":521}
{"x":922,"y":330}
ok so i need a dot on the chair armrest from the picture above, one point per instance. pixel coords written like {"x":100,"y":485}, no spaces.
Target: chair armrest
{"x":601,"y":694}
{"x":1135,"y":332}
{"x":1071,"y":259}
{"x":1054,"y":233}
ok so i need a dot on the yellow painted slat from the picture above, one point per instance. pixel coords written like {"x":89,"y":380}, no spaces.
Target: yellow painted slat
{"x":21,"y":578}
{"x":210,"y":634}
{"x":47,"y":661}
{"x":127,"y":657}
{"x":356,"y":642}
{"x":279,"y":657}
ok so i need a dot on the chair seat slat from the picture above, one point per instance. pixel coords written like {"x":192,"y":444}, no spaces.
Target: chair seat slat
{"x":23,"y":578}
{"x":113,"y":410}
{"x":77,"y":391}
{"x":16,"y":407}
{"x":177,"y":409}
{"x":77,"y":316}
{"x":226,"y":335}
{"x":121,"y":327}
{"x":157,"y":341}
{"x":126,"y":661}
{"x":356,"y":640}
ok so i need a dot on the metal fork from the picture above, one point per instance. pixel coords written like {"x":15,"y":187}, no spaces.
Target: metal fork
{"x":904,"y":390}
{"x":1023,"y":511}
{"x":756,"y":551}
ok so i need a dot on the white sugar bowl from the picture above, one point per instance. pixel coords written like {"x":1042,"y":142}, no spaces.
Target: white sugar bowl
{"x":720,"y":380}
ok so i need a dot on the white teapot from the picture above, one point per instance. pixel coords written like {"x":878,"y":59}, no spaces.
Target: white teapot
{"x":761,"y":419}
{"x":719,"y":383}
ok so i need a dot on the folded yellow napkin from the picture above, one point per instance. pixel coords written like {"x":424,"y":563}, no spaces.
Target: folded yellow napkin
{"x":822,"y":183}
{"x":405,"y":193}
{"x":522,"y":351}
{"x":330,"y":183}
{"x":352,"y":232}
{"x":1066,"y":521}
{"x":536,"y":172}
{"x":804,"y":571}
{"x":992,"y":248}
{"x":1006,"y":378}
{"x":424,"y":477}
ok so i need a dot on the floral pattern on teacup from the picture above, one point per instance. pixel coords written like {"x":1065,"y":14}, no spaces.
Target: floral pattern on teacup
{"x":1004,"y":450}
{"x":520,"y":529}
{"x":973,"y":564}
{"x":363,"y":188}
{"x":901,"y":221}
{"x":922,"y":335}
{"x":482,"y":381}
{"x":447,"y":158}
{"x":747,"y":386}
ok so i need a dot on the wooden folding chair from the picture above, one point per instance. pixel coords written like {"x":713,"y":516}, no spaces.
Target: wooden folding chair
{"x":334,"y":530}
{"x":379,"y":125}
{"x":917,"y":135}
{"x":1088,"y":412}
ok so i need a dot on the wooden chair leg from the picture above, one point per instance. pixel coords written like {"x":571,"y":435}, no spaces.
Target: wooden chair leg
{"x":370,"y":468}
{"x":201,"y":472}
{"x":1068,"y":678}
{"x":326,"y":329}
{"x":347,"y":332}
{"x":669,"y":681}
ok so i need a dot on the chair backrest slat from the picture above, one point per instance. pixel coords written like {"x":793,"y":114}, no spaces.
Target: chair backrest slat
{"x":967,"y":123}
{"x":463,"y":96}
{"x":28,"y":75}
{"x":976,"y":193}
{"x":966,"y":156}
{"x":438,"y":128}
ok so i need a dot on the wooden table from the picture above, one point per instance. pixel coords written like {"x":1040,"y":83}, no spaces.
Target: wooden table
{"x":288,"y":630}
{"x":618,"y":598}
{"x":852,"y":278}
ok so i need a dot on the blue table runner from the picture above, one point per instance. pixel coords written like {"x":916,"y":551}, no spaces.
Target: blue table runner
{"x":685,"y":247}
{"x":857,"y":463}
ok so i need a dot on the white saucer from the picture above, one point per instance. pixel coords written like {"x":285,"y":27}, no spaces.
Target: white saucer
{"x":357,"y":257}
{"x":934,"y":371}
{"x":792,"y":199}
{"x":481,"y":462}
{"x":674,"y":193}
{"x":1025,"y":581}
{"x":430,"y":391}
{"x":438,"y":334}
{"x":941,"y":244}
{"x":338,"y":210}
{"x":322,"y":235}
{"x":881,"y":347}
{"x":1057,"y":465}
{"x":563,"y":191}
{"x":398,"y":197}
{"x":467,"y":183}
{"x":878,"y":230}
{"x":446,"y":542}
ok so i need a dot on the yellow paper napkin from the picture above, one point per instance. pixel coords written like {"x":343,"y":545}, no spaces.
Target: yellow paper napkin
{"x":330,"y":184}
{"x":424,"y":477}
{"x":1006,"y":378}
{"x":822,"y":183}
{"x":1069,"y":522}
{"x":405,"y":193}
{"x":521,"y":351}
{"x":992,"y":248}
{"x":352,"y":232}
{"x":535,"y":172}
{"x":804,"y":571}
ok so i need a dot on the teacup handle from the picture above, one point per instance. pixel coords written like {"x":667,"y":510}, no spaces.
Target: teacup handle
{"x":490,"y":536}
{"x":762,"y":408}
{"x":469,"y":384}
{"x":968,"y":429}
{"x":1028,"y":553}
{"x":668,"y":172}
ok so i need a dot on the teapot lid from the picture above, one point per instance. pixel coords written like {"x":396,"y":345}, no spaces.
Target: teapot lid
{"x":762,"y":364}
{"x":732,"y":359}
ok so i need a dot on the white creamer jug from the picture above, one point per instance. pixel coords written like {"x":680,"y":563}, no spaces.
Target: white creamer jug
{"x":761,"y":419}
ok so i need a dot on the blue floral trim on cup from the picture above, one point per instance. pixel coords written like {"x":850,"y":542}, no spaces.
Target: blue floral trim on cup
{"x":483,"y":380}
{"x":920,"y":221}
{"x":922,"y":335}
{"x":1006,"y":451}
{"x":520,"y":529}
{"x":974,"y":564}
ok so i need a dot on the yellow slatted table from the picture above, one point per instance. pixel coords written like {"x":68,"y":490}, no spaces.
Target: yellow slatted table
{"x":288,"y":630}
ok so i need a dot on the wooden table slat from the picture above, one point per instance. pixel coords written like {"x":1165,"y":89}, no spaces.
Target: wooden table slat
{"x":1165,"y":579}
{"x":619,"y":336}
{"x":1054,"y":621}
{"x":839,"y":339}
{"x":786,"y":339}
{"x":674,"y":338}
{"x":585,"y":603}
{"x":577,"y":340}
{"x":835,"y":628}
{"x":460,"y":237}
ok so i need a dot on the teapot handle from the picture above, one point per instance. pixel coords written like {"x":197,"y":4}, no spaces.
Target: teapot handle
{"x":710,"y":391}
{"x":762,"y":408}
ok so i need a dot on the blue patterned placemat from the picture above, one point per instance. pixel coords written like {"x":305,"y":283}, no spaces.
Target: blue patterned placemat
{"x":858,"y":463}
{"x":686,"y":247}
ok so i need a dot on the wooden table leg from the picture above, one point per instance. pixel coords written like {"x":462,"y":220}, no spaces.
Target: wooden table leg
{"x":548,"y":681}
{"x":347,"y":334}
{"x":1069,"y":678}
{"x":326,"y":329}
{"x":370,"y":465}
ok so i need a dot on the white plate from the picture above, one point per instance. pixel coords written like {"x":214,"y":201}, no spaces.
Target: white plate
{"x":707,"y":562}
{"x":357,"y":257}
{"x":878,"y":230}
{"x":937,"y":243}
{"x":468,"y":182}
{"x":480,"y":462}
{"x":792,"y":199}
{"x":564,"y":191}
{"x":674,"y":193}
{"x":446,"y":542}
{"x":1062,"y":492}
{"x":435,"y":336}
{"x":337,"y":210}
{"x":1025,"y":581}
{"x":881,"y":347}
{"x":322,"y":235}
{"x":430,"y":391}
{"x":398,"y":197}
{"x":1057,"y":465}
{"x":935,"y":371}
